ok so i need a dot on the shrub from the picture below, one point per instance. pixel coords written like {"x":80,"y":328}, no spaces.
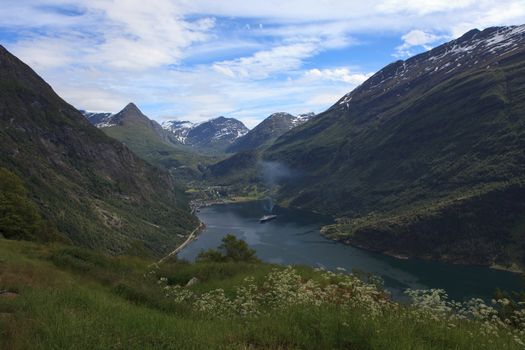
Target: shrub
{"x":19,"y":217}
{"x":231,"y":249}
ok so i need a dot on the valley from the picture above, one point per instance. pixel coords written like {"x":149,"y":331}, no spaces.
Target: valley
{"x":392,"y":192}
{"x":183,"y":197}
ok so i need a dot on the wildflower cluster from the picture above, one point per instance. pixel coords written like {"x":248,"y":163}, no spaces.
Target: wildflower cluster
{"x":283,"y":288}
{"x":500,"y":318}
{"x":151,"y":272}
{"x":280,"y":289}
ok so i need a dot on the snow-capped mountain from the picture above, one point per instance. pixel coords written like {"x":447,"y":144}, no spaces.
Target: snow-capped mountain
{"x":269,"y":130}
{"x":99,"y":119}
{"x":179,"y":128}
{"x":474,"y":50}
{"x":302,"y":118}
{"x":217,"y":133}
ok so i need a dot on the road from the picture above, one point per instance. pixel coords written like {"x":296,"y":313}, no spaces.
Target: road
{"x":184,"y":244}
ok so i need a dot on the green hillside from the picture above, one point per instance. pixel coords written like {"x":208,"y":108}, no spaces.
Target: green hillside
{"x":87,"y":186}
{"x":264,"y":134}
{"x":149,"y":141}
{"x":421,"y":162}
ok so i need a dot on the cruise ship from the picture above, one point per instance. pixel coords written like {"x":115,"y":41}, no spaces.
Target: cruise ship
{"x":267,"y":218}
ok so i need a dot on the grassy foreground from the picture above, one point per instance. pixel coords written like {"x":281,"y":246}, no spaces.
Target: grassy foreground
{"x":70,"y":298}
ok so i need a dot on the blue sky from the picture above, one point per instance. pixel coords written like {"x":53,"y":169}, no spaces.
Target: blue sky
{"x":195,"y":59}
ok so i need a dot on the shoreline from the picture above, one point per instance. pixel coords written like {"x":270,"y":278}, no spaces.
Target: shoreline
{"x":193,"y":235}
{"x":512,"y":269}
{"x":196,"y":204}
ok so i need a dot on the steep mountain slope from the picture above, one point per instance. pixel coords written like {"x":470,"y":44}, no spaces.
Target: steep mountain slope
{"x":92,"y":187}
{"x":213,"y":135}
{"x":268,"y":131}
{"x":427,"y":157}
{"x":239,"y":172}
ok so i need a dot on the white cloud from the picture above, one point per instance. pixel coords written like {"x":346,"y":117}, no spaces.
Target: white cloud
{"x":337,"y":74}
{"x":195,"y":59}
{"x":264,"y":63}
{"x":123,"y":34}
{"x":417,"y":38}
{"x":423,"y":7}
{"x":498,"y":13}
{"x":326,"y":99}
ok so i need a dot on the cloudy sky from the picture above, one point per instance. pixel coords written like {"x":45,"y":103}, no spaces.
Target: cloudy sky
{"x":198,"y":59}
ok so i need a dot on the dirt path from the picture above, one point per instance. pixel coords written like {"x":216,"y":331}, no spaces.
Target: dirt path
{"x":190,"y":238}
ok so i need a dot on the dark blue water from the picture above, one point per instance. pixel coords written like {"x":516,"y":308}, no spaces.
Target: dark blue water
{"x":294,"y":238}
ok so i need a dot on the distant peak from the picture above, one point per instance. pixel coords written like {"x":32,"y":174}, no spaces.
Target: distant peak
{"x":280,"y":115}
{"x":131,"y":113}
{"x":131,"y":107}
{"x":471,"y":34}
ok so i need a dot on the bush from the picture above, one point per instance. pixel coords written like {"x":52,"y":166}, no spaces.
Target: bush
{"x":231,"y":249}
{"x":19,"y":217}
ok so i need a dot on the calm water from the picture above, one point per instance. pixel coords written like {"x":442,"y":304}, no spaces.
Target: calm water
{"x":293,"y":238}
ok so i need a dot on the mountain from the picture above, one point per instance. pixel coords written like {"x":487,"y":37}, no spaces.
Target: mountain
{"x":268,"y":131}
{"x":99,"y":119}
{"x":150,"y":141}
{"x":131,"y":119}
{"x":426,"y":158}
{"x":179,"y":128}
{"x":213,"y":135}
{"x":131,"y":126}
{"x":239,"y":172}
{"x":302,"y":118}
{"x":92,"y":188}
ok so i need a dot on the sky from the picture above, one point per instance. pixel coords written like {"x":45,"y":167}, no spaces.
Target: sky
{"x":199,"y":59}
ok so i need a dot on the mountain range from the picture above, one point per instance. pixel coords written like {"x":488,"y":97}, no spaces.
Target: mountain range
{"x":217,"y":134}
{"x":189,"y":148}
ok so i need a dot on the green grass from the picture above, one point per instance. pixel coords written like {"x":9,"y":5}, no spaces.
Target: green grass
{"x":70,"y":298}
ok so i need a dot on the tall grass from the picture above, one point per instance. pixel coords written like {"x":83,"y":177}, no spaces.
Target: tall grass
{"x":75,"y":299}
